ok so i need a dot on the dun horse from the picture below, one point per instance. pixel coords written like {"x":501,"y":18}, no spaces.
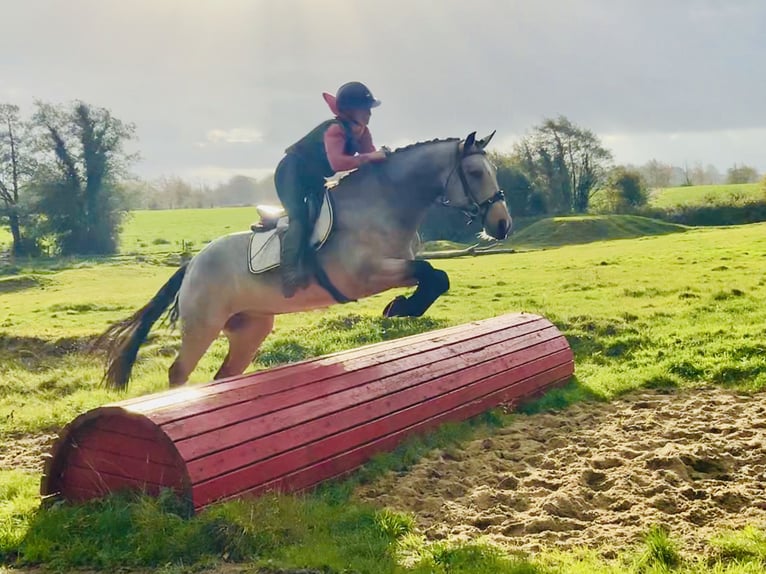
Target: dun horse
{"x":376,"y":213}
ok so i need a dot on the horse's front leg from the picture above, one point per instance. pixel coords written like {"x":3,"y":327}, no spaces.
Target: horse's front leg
{"x":431,"y":283}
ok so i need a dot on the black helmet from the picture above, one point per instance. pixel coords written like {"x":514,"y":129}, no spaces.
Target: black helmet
{"x":355,"y":96}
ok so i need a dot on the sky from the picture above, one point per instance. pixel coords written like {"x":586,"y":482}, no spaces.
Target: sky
{"x":222,"y":87}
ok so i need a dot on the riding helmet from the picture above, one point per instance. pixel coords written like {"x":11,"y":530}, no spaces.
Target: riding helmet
{"x":355,"y":96}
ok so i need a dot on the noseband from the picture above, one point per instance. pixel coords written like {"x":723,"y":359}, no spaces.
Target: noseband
{"x":475,"y":208}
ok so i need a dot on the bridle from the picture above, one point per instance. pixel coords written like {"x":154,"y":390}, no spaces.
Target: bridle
{"x":476,"y":208}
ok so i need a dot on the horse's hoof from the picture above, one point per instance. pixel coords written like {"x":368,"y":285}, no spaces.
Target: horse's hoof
{"x":397,"y":308}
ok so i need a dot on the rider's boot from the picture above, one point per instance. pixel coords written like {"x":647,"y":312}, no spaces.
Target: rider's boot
{"x":295,"y":270}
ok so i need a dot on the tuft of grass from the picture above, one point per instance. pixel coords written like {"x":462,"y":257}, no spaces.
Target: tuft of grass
{"x":472,"y":559}
{"x":18,"y":501}
{"x":660,"y":553}
{"x":748,"y":544}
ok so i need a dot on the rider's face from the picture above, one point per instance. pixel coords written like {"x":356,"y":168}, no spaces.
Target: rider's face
{"x":360,"y":116}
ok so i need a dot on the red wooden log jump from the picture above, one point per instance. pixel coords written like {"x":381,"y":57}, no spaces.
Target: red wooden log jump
{"x":292,"y":427}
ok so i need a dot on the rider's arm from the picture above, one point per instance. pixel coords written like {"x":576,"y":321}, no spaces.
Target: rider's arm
{"x":365,"y":142}
{"x":335,"y":144}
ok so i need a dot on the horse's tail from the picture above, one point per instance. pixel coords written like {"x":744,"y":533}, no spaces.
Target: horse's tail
{"x":122,"y":340}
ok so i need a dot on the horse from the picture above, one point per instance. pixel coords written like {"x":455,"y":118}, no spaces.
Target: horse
{"x":376,"y":213}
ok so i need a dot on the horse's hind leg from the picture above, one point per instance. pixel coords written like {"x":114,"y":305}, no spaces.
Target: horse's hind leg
{"x":245,"y":333}
{"x":196,"y":338}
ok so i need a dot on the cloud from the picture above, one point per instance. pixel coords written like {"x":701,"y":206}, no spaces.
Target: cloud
{"x":197,"y":87}
{"x":234,"y":136}
{"x":721,"y":148}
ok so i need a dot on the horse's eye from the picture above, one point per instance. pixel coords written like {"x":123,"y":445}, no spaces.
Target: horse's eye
{"x":477,"y":173}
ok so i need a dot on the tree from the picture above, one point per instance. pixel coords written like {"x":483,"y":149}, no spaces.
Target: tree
{"x":626,"y":190}
{"x":78,"y":195}
{"x":712,"y":175}
{"x":698,"y":174}
{"x":657,"y":174}
{"x":520,"y":195}
{"x":15,"y":171}
{"x":741,"y":174}
{"x":687,"y":182}
{"x":565,"y":162}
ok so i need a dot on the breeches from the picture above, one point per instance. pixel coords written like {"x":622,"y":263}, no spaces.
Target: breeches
{"x":301,"y":193}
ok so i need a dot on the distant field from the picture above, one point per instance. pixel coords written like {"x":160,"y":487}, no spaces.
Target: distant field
{"x":166,"y":231}
{"x":162,"y":231}
{"x":698,"y":194}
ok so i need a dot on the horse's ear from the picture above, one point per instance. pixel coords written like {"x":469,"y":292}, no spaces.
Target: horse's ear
{"x":469,"y":142}
{"x":485,"y":142}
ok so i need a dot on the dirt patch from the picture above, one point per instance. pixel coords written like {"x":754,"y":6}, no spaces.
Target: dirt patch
{"x":597,"y":474}
{"x":20,"y":282}
{"x":34,"y":353}
{"x":25,"y":452}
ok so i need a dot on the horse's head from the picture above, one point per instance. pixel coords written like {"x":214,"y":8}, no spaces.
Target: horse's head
{"x":472,"y":187}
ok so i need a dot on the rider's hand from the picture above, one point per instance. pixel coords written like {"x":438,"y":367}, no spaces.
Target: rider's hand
{"x":376,"y":156}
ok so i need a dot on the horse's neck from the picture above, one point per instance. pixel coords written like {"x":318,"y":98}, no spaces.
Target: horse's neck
{"x":398,"y":195}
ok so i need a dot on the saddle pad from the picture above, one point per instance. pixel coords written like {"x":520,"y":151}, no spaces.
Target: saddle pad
{"x":264,"y":251}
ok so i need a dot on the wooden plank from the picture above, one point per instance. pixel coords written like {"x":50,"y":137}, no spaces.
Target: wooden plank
{"x":249,"y":428}
{"x":317,"y":369}
{"x":400,"y":373}
{"x":133,"y":448}
{"x":329,"y":448}
{"x":129,"y":424}
{"x":264,"y":383}
{"x":144,"y":471}
{"x":373,"y":349}
{"x":304,"y":389}
{"x":356,"y":415}
{"x":104,"y":482}
{"x":351,"y":459}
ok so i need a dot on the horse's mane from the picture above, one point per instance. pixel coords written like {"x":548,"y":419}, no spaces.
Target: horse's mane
{"x":370,"y":167}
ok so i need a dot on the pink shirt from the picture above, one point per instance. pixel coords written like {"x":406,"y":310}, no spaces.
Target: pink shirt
{"x":335,"y":144}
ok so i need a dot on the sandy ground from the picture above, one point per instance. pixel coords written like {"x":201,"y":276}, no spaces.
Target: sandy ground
{"x":597,"y":475}
{"x":25,"y":452}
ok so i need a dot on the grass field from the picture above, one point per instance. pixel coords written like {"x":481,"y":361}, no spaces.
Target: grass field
{"x":701,"y":194}
{"x":669,"y":309}
{"x":162,"y":231}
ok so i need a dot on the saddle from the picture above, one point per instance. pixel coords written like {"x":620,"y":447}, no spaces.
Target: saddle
{"x":265,"y":241}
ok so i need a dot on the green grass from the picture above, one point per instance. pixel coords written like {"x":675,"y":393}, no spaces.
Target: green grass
{"x":323,"y":534}
{"x":673,"y":309}
{"x":164,"y":230}
{"x":18,"y":502}
{"x":701,"y":194}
